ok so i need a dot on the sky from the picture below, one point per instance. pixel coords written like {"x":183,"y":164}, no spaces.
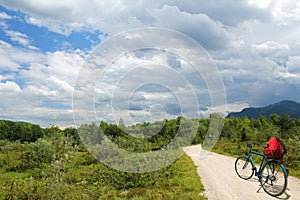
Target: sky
{"x":46,"y":47}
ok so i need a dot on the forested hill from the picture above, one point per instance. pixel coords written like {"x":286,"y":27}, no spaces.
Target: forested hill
{"x":22,"y":131}
{"x":285,"y":107}
{"x":27,"y":132}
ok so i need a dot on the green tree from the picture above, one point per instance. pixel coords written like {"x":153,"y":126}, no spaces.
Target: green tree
{"x":243,"y":135}
{"x":113,"y":130}
{"x":73,"y":134}
{"x":91,"y":134}
{"x":275,"y":119}
{"x":285,"y":124}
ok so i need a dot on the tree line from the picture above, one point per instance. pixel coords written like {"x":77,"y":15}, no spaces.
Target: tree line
{"x":146,"y":137}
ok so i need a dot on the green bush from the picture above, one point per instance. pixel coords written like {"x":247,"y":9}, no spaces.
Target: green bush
{"x":21,"y":157}
{"x":292,"y":158}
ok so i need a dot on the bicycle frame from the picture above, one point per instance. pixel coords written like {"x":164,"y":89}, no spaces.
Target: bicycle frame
{"x":249,"y":156}
{"x":262,"y":164}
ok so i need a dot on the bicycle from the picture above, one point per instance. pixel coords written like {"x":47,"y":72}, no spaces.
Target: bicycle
{"x":272,"y":174}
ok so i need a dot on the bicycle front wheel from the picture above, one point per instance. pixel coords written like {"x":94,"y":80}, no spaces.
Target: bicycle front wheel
{"x":243,"y":167}
{"x":273,"y":178}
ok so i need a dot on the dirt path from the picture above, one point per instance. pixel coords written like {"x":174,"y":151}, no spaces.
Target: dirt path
{"x":221,"y":182}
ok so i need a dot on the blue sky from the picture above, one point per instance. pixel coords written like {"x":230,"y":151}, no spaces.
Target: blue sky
{"x":20,"y":33}
{"x":43,"y":46}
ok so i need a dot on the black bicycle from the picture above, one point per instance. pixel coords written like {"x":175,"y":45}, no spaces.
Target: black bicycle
{"x":271,"y":173}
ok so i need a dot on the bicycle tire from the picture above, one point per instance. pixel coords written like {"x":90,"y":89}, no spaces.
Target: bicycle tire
{"x":243,"y":168}
{"x":273,"y":178}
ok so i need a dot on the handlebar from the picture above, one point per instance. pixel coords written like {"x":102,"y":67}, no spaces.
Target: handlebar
{"x":250,"y":145}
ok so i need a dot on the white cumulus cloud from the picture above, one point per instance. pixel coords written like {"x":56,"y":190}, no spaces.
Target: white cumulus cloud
{"x":9,"y":87}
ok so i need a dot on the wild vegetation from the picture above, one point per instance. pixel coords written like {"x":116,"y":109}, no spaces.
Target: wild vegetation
{"x":238,"y":131}
{"x":50,"y":163}
{"x":56,"y":165}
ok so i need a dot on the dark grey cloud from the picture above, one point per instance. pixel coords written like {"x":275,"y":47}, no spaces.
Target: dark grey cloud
{"x":229,"y":12}
{"x":173,"y":61}
{"x":173,"y":109}
{"x":264,"y":93}
{"x":208,"y":33}
{"x":138,"y":103}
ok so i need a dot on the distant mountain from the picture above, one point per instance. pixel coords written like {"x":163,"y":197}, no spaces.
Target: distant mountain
{"x":283,"y":107}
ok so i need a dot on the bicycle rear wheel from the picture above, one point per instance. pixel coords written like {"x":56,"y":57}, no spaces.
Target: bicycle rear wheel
{"x":274,"y":178}
{"x":243,"y":167}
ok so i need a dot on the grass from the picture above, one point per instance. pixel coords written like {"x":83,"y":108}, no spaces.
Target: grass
{"x":86,"y":178}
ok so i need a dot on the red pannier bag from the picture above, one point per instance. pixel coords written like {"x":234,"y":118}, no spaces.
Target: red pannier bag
{"x":275,"y":149}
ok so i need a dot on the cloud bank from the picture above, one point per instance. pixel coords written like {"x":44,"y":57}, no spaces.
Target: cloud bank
{"x":43,"y":45}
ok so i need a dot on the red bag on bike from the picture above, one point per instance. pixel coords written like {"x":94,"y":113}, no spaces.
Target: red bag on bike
{"x":275,"y":149}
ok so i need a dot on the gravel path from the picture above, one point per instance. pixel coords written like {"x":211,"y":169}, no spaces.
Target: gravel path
{"x":221,"y":182}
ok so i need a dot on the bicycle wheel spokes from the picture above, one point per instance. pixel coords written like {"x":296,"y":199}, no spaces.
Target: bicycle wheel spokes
{"x":274,"y":180}
{"x":243,"y":168}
